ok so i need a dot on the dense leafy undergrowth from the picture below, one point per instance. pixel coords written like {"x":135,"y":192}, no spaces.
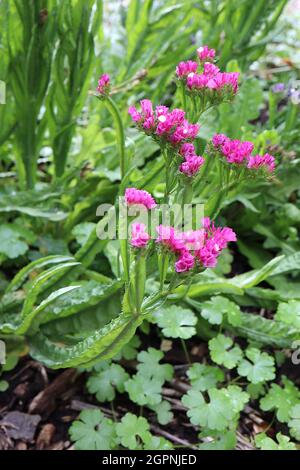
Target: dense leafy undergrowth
{"x":216,"y":130}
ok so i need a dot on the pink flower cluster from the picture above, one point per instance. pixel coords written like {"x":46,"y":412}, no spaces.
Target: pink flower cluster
{"x":235,"y":151}
{"x":238,"y":152}
{"x":213,"y":79}
{"x":207,"y":76}
{"x":139,"y":237}
{"x":183,"y":69}
{"x":139,"y":196}
{"x":103,"y":84}
{"x":201,"y":247}
{"x":205,"y":54}
{"x":164,"y":125}
{"x":266,"y":161}
{"x":216,"y":240}
{"x":192,"y":162}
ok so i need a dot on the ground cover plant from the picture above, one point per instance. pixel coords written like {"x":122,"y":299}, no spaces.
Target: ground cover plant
{"x":123,"y":324}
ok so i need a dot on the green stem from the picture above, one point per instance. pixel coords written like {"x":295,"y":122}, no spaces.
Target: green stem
{"x":183,"y":96}
{"x":187,"y":356}
{"x":113,"y":109}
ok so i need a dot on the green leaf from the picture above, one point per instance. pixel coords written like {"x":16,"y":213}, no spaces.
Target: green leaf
{"x":176,"y":322}
{"x":144,"y":390}
{"x":12,"y":242}
{"x":24,"y":273}
{"x":150,"y":367}
{"x":104,"y":383}
{"x":163,"y":412}
{"x":216,"y":414}
{"x":101,"y":345}
{"x":131,"y":429}
{"x":216,"y":440}
{"x":256,"y":390}
{"x":214,"y":309}
{"x":281,"y":399}
{"x":264,"y":442}
{"x":264,"y":331}
{"x":92,"y":431}
{"x":3,"y":385}
{"x":258,"y":367}
{"x":82,"y":232}
{"x":288,"y":263}
{"x":130,"y":350}
{"x":289,"y":312}
{"x":157,"y":443}
{"x":252,"y":278}
{"x":237,"y":396}
{"x":294,"y":422}
{"x":204,"y":377}
{"x":223,"y":352}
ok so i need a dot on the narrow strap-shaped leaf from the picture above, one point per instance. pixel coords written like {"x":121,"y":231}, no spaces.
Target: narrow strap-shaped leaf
{"x":208,"y":288}
{"x":264,"y":331}
{"x":84,"y":298}
{"x":102,"y":345}
{"x":19,"y":324}
{"x":252,"y":278}
{"x":23,"y":274}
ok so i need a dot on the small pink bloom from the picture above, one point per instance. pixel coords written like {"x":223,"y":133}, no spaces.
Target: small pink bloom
{"x":262,"y":161}
{"x":139,"y":237}
{"x":183,"y":132}
{"x":184,"y":68}
{"x":103,"y":84}
{"x":194,"y":239}
{"x":236,"y":151}
{"x":135,"y":115}
{"x":187,"y":150}
{"x":196,"y":81}
{"x":192,"y":165}
{"x":168,"y":237}
{"x":206,"y":54}
{"x":185,"y":262}
{"x":138,"y":196}
{"x":210,"y":69}
{"x":147,"y":108}
{"x":216,"y":239}
{"x":219,"y":139}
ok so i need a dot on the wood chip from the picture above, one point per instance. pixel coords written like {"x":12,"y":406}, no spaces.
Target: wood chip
{"x":20,"y":425}
{"x":45,"y":436}
{"x":45,"y":401}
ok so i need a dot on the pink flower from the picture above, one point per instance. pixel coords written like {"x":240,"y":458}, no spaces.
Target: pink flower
{"x":103,"y":84}
{"x":185,"y":262}
{"x":135,"y":115}
{"x":226,"y":79}
{"x":197,"y":81}
{"x":183,"y":132}
{"x":206,"y":54}
{"x":194,"y":239}
{"x":184,"y":68}
{"x":219,"y":139}
{"x":168,"y":237}
{"x":139,"y":196}
{"x":262,"y":161}
{"x":187,"y":150}
{"x":139,"y":237}
{"x":192,"y":165}
{"x":164,"y":125}
{"x":236,"y":151}
{"x":216,"y":240}
{"x":210,"y":69}
{"x":147,"y":109}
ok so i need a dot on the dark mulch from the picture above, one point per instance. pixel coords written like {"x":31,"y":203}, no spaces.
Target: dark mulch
{"x":40,"y":404}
